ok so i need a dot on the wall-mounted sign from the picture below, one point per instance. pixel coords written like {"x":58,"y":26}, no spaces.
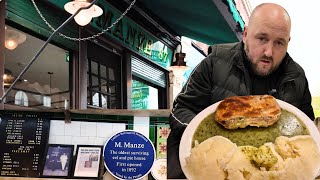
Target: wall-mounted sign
{"x":129,"y":155}
{"x":23,"y":139}
{"x":132,"y":35}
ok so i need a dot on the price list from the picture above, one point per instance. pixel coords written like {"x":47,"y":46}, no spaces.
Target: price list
{"x":23,"y":138}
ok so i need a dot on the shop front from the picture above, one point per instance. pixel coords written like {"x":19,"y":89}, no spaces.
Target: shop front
{"x":84,"y":81}
{"x":83,"y":72}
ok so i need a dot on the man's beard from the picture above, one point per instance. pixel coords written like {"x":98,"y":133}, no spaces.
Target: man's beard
{"x":254,"y":67}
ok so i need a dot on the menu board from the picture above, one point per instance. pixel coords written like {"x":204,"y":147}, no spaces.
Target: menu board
{"x":23,"y":139}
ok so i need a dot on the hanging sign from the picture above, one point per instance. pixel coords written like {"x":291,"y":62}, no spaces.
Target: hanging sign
{"x":129,"y":155}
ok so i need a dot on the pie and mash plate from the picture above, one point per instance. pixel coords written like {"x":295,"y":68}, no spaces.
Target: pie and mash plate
{"x":187,"y":137}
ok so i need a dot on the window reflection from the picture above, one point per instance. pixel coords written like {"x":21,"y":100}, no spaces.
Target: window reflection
{"x":21,"y":99}
{"x":46,"y":83}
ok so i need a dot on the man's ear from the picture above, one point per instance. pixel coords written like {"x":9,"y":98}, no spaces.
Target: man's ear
{"x":245,"y":33}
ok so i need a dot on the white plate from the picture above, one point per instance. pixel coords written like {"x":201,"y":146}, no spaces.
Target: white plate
{"x":186,"y":140}
{"x":159,"y":169}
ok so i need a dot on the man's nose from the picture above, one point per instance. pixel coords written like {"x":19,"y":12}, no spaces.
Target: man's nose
{"x":268,"y":49}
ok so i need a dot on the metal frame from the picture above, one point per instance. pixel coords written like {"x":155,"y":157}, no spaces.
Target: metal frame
{"x":2,"y":39}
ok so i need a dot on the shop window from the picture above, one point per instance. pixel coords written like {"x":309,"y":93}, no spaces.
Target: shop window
{"x":144,"y":96}
{"x":148,"y":85}
{"x":103,"y":90}
{"x":46,"y":82}
{"x":104,"y":78}
{"x":21,"y":99}
{"x":46,"y":101}
{"x":96,"y":100}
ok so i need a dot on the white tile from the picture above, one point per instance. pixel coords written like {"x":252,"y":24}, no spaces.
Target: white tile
{"x":141,"y":125}
{"x":68,"y":139}
{"x":60,"y":140}
{"x":52,"y":140}
{"x":57,"y":128}
{"x":80,"y":140}
{"x":89,"y":129}
{"x":72,"y":129}
{"x":92,"y":140}
{"x":104,"y":129}
{"x":117,"y":127}
{"x":101,"y":141}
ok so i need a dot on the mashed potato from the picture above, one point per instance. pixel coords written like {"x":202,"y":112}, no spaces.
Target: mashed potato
{"x":288,"y":158}
{"x":209,"y":158}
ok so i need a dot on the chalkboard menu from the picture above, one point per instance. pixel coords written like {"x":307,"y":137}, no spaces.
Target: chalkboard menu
{"x":23,"y":139}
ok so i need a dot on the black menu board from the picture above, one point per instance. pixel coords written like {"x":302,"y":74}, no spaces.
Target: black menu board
{"x":23,"y":139}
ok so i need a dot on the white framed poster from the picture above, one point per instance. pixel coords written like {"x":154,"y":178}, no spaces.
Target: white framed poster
{"x":88,"y":161}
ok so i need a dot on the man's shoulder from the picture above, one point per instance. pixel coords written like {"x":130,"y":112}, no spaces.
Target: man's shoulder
{"x":292,"y":66}
{"x":225,"y":52}
{"x":218,"y":48}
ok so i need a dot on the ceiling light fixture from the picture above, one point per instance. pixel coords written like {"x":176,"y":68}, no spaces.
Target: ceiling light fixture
{"x":84,"y":17}
{"x":13,"y":38}
{"x":8,"y":78}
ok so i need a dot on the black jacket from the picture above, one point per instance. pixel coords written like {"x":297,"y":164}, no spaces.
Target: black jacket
{"x":223,"y":74}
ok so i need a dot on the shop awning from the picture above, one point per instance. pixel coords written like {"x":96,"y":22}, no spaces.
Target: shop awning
{"x":208,"y":21}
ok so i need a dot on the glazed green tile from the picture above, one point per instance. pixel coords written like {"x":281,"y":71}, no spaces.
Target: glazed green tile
{"x":153,"y":118}
{"x":130,"y":125}
{"x":152,"y":131}
{"x":163,"y":119}
{"x":126,"y":118}
{"x":110,"y":117}
{"x":78,"y":116}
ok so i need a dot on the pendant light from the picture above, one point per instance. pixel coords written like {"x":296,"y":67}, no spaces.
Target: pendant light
{"x":85,"y":16}
{"x":178,"y":65}
{"x":13,"y":38}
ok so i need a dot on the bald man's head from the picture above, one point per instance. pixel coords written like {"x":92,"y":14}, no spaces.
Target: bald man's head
{"x":266,"y":38}
{"x":270,"y":10}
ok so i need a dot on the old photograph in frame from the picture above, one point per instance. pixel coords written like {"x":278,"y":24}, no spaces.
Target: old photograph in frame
{"x":58,"y":161}
{"x":88,"y":158}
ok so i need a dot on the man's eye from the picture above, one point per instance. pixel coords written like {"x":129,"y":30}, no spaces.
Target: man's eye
{"x":279,"y":43}
{"x":262,"y":39}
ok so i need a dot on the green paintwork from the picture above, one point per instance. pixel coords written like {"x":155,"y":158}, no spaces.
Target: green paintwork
{"x":235,"y":14}
{"x":133,"y":36}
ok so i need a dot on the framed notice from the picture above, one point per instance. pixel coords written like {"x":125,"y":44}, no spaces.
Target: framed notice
{"x":58,"y":160}
{"x":88,"y":161}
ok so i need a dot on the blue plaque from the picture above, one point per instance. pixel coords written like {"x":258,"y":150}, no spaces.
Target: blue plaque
{"x":129,"y":155}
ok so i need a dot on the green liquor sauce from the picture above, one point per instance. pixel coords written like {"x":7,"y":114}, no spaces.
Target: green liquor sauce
{"x":288,"y":125}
